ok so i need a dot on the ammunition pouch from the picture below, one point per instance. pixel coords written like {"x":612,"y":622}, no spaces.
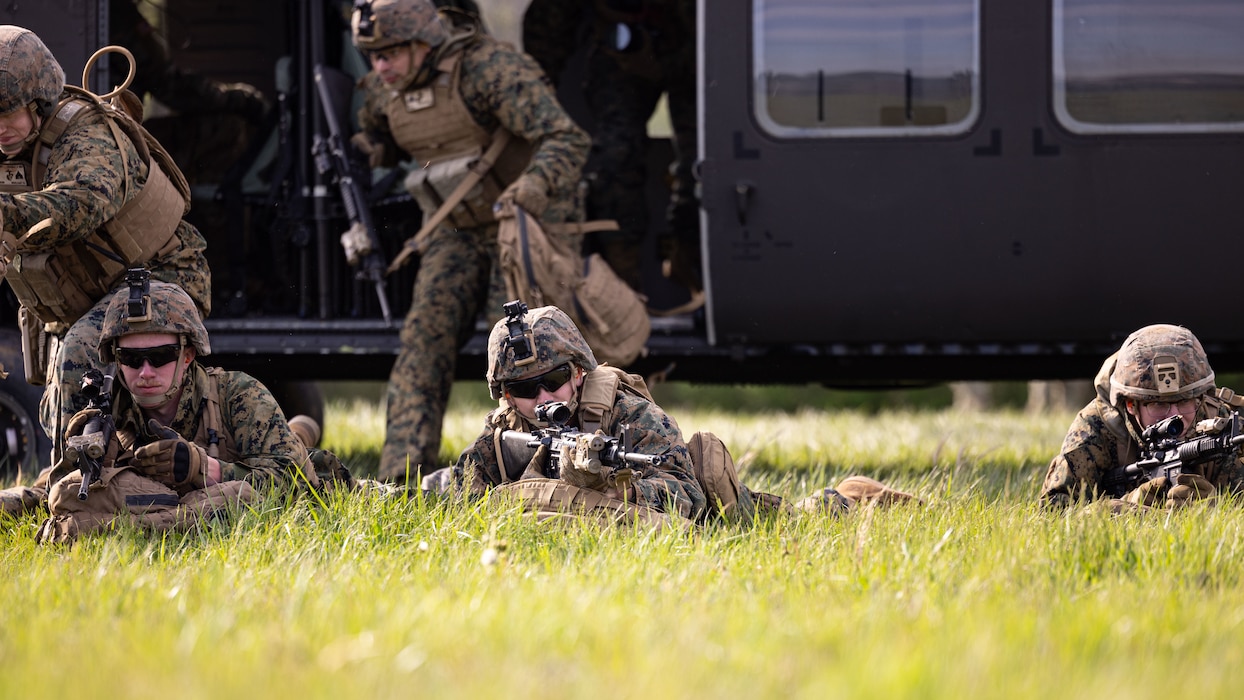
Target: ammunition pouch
{"x":433,"y":185}
{"x":61,"y":285}
{"x":34,"y":347}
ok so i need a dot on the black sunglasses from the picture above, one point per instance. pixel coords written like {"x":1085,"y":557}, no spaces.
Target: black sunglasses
{"x":550,"y":381}
{"x":158,"y":356}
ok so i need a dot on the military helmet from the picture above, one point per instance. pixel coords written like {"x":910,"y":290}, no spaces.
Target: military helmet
{"x":1160,"y":363}
{"x":555,"y":342}
{"x":28,"y":71}
{"x":379,"y":24}
{"x":169,"y":310}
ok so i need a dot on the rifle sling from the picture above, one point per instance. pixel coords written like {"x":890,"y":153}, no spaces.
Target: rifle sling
{"x":417,"y":243}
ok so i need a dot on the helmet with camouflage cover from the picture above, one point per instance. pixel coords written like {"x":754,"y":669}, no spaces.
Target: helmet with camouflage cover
{"x":379,"y":24}
{"x":1160,"y":363}
{"x":555,"y":339}
{"x":170,"y":311}
{"x":28,"y":71}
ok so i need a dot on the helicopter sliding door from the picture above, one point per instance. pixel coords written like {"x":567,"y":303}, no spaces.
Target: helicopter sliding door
{"x":946,"y":172}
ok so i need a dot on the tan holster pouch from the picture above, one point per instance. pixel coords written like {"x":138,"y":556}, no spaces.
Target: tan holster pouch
{"x":122,"y":495}
{"x":548,"y":499}
{"x":433,"y":185}
{"x":34,"y":347}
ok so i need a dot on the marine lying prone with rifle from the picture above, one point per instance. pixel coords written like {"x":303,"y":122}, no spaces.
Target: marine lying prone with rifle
{"x":1159,"y":433}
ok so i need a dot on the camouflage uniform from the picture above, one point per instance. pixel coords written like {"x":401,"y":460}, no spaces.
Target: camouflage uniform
{"x":229,"y":416}
{"x":85,"y":186}
{"x":1104,"y":436}
{"x":501,"y":88}
{"x":268,"y":452}
{"x":671,"y":487}
{"x":622,"y":89}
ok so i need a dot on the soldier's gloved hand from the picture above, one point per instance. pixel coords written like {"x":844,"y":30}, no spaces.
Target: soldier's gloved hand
{"x":1190,"y":488}
{"x":581,"y":475}
{"x":171,"y":460}
{"x":1152,"y":492}
{"x":374,"y":150}
{"x":78,"y":422}
{"x":535,"y":465}
{"x":356,"y":243}
{"x":528,"y":192}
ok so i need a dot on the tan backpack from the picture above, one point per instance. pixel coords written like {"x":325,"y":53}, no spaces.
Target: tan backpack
{"x":714,"y":469}
{"x":543,"y":271}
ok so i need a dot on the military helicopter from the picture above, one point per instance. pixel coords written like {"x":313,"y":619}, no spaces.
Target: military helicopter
{"x":891,"y":192}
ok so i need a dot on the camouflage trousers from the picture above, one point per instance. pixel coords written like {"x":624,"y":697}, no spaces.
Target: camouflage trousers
{"x":450,"y":290}
{"x":70,"y":354}
{"x":458,"y":278}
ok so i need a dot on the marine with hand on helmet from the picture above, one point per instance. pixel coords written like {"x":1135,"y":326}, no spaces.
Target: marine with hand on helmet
{"x":189,"y":439}
{"x":440,"y":93}
{"x":85,"y":194}
{"x":1159,"y":371}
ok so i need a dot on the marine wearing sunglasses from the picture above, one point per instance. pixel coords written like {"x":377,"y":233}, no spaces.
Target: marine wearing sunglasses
{"x":557,"y":384}
{"x":151,"y":370}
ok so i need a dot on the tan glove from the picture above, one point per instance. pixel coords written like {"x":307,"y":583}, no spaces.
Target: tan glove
{"x":1150,"y":493}
{"x":584,"y":473}
{"x":374,"y":150}
{"x":1190,"y":488}
{"x":527,"y":192}
{"x":78,"y":422}
{"x":172,"y":460}
{"x":356,"y":243}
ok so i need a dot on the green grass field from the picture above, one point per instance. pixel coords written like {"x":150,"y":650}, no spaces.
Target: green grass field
{"x":977,"y":594}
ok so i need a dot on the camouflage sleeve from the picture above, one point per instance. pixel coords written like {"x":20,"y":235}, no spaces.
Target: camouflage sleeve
{"x":270,"y":453}
{"x":670,"y":487}
{"x":504,"y":87}
{"x":84,"y":186}
{"x":1087,"y":454}
{"x":478,"y":463}
{"x":547,"y":26}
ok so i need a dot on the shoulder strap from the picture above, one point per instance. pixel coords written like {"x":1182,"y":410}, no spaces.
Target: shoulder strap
{"x":213,"y":415}
{"x":416,"y":244}
{"x":66,"y":111}
{"x":597,"y":396}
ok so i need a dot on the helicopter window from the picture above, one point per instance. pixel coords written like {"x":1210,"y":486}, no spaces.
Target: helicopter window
{"x":1149,"y":65}
{"x":867,"y":67}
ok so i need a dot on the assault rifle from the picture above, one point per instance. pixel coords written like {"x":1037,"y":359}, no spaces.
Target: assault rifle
{"x":88,"y":449}
{"x":332,"y":157}
{"x":1215,"y":439}
{"x":568,"y":448}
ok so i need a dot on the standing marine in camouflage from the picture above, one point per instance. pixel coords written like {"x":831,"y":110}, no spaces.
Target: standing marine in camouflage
{"x":1160,"y":371}
{"x":189,"y":439}
{"x":638,"y":49}
{"x":438,"y":94}
{"x":84,"y":195}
